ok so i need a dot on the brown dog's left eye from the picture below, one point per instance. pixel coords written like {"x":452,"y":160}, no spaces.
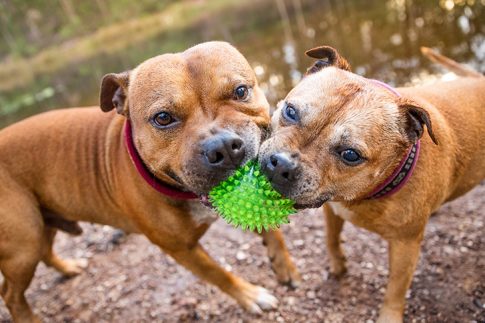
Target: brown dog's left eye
{"x":351,"y":157}
{"x":163,"y":119}
{"x":241,"y":93}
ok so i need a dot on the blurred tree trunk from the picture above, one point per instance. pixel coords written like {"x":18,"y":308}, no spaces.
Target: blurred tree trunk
{"x":32,"y":19}
{"x":6,"y":34}
{"x":285,"y":19}
{"x":103,"y":8}
{"x":69,"y":10}
{"x":300,"y":17}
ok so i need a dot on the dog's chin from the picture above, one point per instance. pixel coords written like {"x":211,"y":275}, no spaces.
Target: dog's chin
{"x":313,"y":204}
{"x":204,"y":183}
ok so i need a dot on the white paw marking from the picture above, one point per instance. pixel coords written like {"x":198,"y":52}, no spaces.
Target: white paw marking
{"x":266,"y":300}
{"x":255,"y":309}
{"x":81,"y":262}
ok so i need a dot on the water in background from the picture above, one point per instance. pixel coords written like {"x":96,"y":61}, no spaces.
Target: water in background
{"x":381,"y":39}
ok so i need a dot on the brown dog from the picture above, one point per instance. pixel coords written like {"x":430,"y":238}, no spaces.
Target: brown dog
{"x":359,"y":144}
{"x":184,"y":122}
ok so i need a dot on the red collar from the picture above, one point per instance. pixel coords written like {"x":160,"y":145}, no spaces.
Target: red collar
{"x":150,"y":178}
{"x":404,"y":170}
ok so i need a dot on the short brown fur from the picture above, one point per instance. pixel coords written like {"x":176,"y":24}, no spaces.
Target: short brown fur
{"x":72,"y":165}
{"x":382,"y":126}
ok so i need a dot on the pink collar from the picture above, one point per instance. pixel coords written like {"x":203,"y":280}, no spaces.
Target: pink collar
{"x":404,"y":170}
{"x":386,"y":86}
{"x":150,"y":178}
{"x":399,"y":177}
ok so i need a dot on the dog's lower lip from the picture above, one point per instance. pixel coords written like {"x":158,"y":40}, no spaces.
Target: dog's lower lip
{"x":312,"y":205}
{"x":308,"y":206}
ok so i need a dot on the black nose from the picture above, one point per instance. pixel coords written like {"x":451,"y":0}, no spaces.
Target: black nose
{"x":224,"y":150}
{"x":281,"y":168}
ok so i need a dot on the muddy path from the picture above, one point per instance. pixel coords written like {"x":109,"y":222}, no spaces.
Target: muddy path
{"x":129,"y":280}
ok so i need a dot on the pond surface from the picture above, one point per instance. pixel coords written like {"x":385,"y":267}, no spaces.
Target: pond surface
{"x":381,"y":39}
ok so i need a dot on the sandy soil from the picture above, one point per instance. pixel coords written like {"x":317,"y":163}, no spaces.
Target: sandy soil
{"x":128,"y":279}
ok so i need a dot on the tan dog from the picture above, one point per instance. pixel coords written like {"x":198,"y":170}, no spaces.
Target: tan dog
{"x":359,"y":144}
{"x":184,"y":122}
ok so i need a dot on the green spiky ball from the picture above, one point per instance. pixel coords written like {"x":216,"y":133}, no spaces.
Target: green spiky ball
{"x":247,"y":200}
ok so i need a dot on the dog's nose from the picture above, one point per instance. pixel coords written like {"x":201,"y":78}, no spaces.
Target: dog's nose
{"x":281,"y":168}
{"x":224,"y":150}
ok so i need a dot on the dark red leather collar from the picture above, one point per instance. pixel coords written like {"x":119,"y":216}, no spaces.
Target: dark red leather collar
{"x":150,"y":178}
{"x":404,"y":170}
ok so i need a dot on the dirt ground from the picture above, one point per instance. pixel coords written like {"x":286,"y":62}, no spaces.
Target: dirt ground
{"x":128,"y":279}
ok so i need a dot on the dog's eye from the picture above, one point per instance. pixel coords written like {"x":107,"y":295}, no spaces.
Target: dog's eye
{"x":163,"y":119}
{"x":241,"y":93}
{"x":290,"y":113}
{"x":351,"y":157}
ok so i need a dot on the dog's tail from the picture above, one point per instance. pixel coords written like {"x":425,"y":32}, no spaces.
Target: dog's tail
{"x":450,"y":64}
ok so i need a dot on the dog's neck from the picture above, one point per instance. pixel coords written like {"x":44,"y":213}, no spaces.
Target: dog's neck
{"x":148,"y":176}
{"x":404,"y":170}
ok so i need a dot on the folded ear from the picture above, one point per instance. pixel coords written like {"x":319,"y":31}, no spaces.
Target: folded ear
{"x":114,"y":89}
{"x":416,"y":118}
{"x":327,"y":56}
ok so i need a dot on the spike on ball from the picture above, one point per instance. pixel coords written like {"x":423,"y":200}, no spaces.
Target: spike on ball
{"x":247,"y":200}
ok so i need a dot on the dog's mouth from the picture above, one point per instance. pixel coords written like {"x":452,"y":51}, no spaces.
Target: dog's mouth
{"x":204,"y":199}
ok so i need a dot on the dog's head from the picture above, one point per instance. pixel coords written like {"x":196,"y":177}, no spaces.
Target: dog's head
{"x":336,"y":135}
{"x":196,"y":115}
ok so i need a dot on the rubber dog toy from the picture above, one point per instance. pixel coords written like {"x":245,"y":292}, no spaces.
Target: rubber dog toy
{"x":247,"y":200}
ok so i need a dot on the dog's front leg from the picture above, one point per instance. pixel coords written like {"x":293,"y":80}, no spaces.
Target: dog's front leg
{"x":334,"y":226}
{"x":251,"y":297}
{"x":403,"y":256}
{"x":279,"y":256}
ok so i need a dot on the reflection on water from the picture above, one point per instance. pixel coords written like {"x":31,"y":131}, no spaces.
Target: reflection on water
{"x":381,"y":39}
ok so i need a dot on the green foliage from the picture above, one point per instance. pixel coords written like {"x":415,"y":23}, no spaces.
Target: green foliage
{"x":24,"y":100}
{"x":28,"y":26}
{"x":247,"y":200}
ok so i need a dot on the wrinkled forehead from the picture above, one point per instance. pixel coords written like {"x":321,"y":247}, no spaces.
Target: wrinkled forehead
{"x":204,"y":68}
{"x":336,"y":90}
{"x":158,"y":77}
{"x":345,"y":106}
{"x":325,"y":85}
{"x":217,"y":59}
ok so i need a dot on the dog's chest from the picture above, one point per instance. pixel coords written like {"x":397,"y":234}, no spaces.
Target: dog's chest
{"x":202,"y":214}
{"x":342,"y":211}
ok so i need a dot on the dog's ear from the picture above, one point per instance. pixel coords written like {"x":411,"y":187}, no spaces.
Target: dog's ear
{"x":416,"y":119}
{"x":114,"y":88}
{"x":326,"y":56}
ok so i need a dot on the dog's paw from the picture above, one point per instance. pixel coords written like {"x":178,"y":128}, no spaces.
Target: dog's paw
{"x":390,"y":316}
{"x":338,"y":269}
{"x":262,"y":300}
{"x":73,"y":267}
{"x":286,"y":273}
{"x":256,"y":299}
{"x":266,"y":300}
{"x":337,"y":274}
